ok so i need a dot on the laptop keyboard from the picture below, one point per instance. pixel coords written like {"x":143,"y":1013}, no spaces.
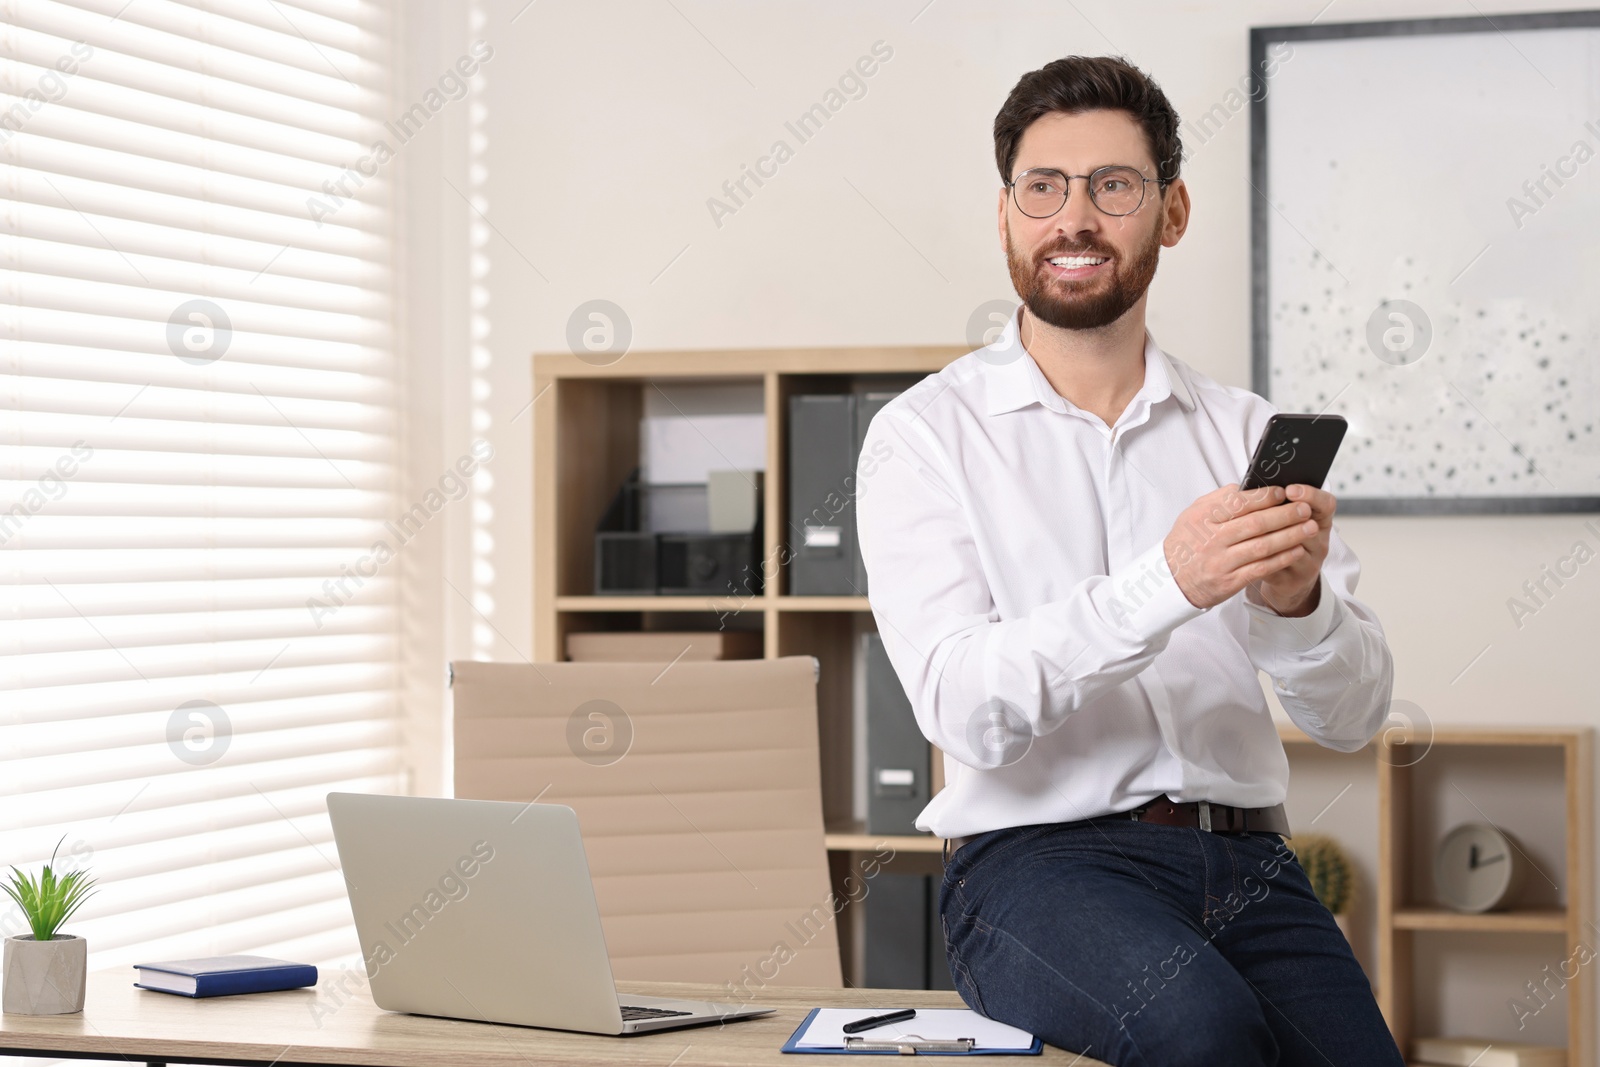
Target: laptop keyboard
{"x":630,"y":1011}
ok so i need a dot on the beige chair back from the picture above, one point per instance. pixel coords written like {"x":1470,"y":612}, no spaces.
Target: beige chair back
{"x":698,"y":791}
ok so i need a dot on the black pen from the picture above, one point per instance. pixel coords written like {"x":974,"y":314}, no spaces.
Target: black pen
{"x":880,"y":1020}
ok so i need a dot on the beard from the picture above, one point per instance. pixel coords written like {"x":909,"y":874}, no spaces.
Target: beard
{"x":1087,"y":305}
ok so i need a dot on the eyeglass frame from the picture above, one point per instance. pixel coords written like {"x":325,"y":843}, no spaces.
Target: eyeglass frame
{"x":1067,"y":195}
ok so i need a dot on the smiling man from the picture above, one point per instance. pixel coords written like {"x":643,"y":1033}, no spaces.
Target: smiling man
{"x":1077,"y":598}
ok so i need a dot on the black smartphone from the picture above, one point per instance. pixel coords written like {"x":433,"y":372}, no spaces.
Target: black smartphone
{"x":1295,"y":450}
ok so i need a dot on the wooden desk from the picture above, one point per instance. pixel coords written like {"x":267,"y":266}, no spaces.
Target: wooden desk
{"x":120,"y":1022}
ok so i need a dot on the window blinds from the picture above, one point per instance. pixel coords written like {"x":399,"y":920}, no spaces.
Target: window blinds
{"x":197,"y":424}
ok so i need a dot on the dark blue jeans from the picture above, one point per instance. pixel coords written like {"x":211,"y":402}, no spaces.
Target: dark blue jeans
{"x":1157,"y":946}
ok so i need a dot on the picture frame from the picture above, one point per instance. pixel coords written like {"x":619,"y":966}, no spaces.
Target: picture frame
{"x":1432,"y":291}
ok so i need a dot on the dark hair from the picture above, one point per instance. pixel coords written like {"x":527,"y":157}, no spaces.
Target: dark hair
{"x":1090,"y":83}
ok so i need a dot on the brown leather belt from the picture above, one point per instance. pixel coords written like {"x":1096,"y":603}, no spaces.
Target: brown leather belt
{"x":1201,"y":814}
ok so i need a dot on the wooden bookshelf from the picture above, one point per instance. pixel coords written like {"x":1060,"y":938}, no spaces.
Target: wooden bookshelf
{"x":1403,"y":918}
{"x":586,"y":440}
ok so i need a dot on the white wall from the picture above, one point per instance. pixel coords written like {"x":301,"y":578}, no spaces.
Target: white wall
{"x":609,"y":125}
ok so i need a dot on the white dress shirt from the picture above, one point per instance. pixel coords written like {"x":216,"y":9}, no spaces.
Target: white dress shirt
{"x":1014,"y":551}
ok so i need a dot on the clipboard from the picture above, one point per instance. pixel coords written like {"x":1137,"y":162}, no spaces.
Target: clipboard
{"x":902,"y":1040}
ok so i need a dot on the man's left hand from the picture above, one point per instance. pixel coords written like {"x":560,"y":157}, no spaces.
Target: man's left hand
{"x":1292,"y":590}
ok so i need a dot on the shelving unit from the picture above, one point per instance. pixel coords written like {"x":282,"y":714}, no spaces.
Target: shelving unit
{"x":586,"y":440}
{"x":1403,"y":918}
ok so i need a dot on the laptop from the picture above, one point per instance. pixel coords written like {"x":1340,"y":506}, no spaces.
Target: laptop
{"x":484,"y":910}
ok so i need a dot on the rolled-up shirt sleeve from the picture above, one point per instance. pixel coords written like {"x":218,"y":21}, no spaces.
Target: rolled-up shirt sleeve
{"x":930,"y":596}
{"x":1332,"y":669}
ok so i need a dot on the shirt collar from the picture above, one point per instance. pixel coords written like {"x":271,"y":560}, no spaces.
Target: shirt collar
{"x":1013,"y":380}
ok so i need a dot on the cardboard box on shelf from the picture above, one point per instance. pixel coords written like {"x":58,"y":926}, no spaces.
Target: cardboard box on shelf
{"x":663,"y":646}
{"x":1481,"y":1052}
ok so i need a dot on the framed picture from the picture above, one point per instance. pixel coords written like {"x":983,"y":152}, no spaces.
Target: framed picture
{"x":1425,"y":229}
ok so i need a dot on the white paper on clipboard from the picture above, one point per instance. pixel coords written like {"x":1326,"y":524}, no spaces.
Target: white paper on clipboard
{"x":930,"y":1024}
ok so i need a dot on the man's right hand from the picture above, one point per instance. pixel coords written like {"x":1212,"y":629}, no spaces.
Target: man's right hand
{"x":1229,"y":538}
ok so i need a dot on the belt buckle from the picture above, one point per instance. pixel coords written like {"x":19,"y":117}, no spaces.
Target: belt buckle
{"x":1205,"y":814}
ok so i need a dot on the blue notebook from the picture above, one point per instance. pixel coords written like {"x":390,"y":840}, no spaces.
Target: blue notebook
{"x":221,"y":976}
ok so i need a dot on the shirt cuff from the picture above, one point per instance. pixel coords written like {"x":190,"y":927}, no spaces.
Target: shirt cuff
{"x":1305,"y":631}
{"x":1144,"y":598}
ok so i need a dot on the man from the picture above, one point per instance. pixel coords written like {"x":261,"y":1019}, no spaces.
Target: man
{"x":1077,"y":598}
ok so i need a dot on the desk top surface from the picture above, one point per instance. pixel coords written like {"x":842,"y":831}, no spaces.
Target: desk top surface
{"x":325,"y":1025}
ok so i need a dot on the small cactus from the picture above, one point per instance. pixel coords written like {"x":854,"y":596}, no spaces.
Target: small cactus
{"x":1331,"y":873}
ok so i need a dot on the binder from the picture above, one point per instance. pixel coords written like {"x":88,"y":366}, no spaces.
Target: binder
{"x":904,"y":939}
{"x":827,"y":432}
{"x":939,"y":976}
{"x":870,"y":399}
{"x":934,"y":1032}
{"x":896,"y":932}
{"x":822,"y":513}
{"x":899,"y":759}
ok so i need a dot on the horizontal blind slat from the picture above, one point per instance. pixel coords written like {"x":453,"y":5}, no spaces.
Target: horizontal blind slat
{"x":74,"y":632}
{"x":251,"y":405}
{"x":64,"y":363}
{"x":264,"y":438}
{"x":66,"y":566}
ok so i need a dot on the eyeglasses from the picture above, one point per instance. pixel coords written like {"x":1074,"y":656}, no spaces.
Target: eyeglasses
{"x":1115,"y":190}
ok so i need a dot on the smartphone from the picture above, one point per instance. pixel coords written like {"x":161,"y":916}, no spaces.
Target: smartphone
{"x":1295,"y":450}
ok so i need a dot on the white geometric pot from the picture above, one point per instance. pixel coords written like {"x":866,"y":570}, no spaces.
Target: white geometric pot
{"x":45,"y":977}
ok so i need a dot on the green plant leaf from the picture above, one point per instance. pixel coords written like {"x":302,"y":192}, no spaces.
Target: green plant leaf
{"x":49,"y":900}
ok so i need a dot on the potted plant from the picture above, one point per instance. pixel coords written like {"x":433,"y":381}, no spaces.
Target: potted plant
{"x":45,"y":970}
{"x":1330,"y":871}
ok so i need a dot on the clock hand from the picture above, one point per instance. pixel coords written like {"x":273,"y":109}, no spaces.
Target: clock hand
{"x":1492,"y":859}
{"x":1472,"y":858}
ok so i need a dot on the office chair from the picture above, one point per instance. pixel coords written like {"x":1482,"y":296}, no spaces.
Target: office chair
{"x":698,"y":793}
